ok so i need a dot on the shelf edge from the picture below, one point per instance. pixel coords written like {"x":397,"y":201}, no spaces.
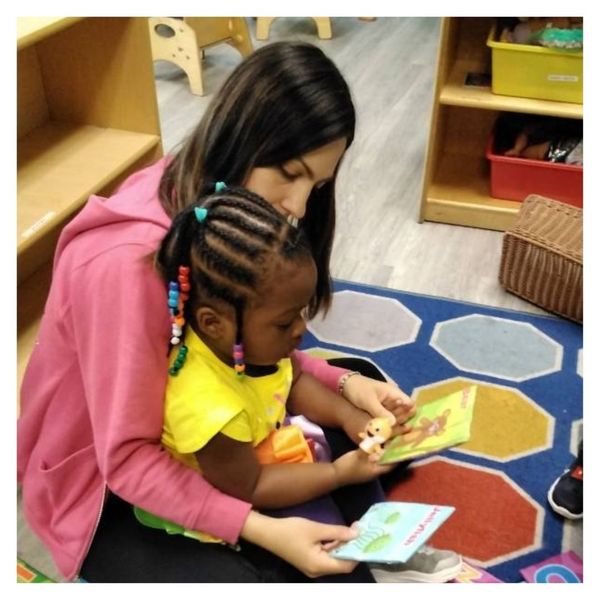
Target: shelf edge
{"x":498,"y":215}
{"x":47,"y":26}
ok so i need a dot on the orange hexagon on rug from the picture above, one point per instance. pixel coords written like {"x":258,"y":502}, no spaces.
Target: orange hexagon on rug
{"x":495,"y":520}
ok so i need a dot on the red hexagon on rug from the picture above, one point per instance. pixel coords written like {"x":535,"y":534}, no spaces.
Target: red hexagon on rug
{"x":494,"y":521}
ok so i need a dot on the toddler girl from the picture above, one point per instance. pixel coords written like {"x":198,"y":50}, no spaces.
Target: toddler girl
{"x":241,"y":279}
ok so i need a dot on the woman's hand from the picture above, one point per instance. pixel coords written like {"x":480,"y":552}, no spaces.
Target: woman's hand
{"x":381,"y":399}
{"x":303,"y":543}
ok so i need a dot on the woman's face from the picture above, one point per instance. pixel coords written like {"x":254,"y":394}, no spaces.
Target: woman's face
{"x":288,"y":186}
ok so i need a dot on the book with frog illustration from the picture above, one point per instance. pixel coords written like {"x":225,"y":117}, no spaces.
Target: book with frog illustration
{"x":437,"y":425}
{"x":392,"y":532}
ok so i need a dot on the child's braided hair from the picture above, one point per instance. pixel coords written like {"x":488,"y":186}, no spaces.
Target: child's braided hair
{"x":230,"y":252}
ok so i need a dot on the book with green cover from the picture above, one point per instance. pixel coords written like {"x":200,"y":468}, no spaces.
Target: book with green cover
{"x":437,"y":425}
{"x":391,"y":532}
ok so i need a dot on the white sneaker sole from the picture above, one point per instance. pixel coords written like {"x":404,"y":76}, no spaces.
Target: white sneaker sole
{"x":383,"y":576}
{"x":561,"y":510}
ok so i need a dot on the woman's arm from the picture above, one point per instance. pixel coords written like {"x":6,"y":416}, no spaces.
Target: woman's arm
{"x":378,"y":398}
{"x":319,"y":368}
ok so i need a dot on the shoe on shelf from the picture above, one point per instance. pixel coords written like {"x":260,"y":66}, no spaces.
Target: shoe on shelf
{"x":566,"y":493}
{"x":427,"y":565}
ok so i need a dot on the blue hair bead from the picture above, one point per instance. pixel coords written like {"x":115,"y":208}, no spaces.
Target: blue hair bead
{"x":220,"y":186}
{"x":200,"y":213}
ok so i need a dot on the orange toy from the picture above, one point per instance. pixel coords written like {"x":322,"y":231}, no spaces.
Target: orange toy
{"x":376,"y":433}
{"x":285,"y":445}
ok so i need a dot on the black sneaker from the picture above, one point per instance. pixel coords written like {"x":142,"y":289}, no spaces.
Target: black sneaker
{"x":566,"y":494}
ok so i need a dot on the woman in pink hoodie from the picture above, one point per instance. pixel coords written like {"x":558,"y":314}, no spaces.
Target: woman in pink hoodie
{"x":92,"y":396}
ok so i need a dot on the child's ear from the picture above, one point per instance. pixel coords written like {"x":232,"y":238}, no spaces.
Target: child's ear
{"x":211,"y":322}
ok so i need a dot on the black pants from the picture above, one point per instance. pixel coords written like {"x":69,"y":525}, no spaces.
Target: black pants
{"x":123,"y":550}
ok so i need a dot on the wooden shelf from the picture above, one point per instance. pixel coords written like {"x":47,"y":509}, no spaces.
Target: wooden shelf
{"x":87,"y":117}
{"x":459,"y":195}
{"x":31,"y":298}
{"x":60,"y":165}
{"x":33,"y":29}
{"x":455,"y":93}
{"x":456,"y":179}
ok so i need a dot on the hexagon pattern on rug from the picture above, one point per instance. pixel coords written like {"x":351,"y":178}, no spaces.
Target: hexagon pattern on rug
{"x":497,"y":347}
{"x":497,"y":409}
{"x":528,"y":371}
{"x":366,"y":322}
{"x":477,"y":529}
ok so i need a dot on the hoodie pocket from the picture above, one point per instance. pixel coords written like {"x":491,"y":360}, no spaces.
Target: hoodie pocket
{"x":71,"y":479}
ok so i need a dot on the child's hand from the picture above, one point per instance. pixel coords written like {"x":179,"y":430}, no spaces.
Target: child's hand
{"x":380,"y":399}
{"x":357,"y":467}
{"x":353,"y":421}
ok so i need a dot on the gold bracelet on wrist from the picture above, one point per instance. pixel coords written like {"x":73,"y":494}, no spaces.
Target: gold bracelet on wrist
{"x":343,"y":379}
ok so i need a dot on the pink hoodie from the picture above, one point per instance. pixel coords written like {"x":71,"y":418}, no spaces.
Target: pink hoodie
{"x":92,"y":394}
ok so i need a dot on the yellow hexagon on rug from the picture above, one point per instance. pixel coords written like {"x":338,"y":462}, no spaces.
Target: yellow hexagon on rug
{"x":498,"y":410}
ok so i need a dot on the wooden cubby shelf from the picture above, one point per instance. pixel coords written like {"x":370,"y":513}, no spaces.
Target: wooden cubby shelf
{"x":455,"y":93}
{"x":460,"y":193}
{"x":34,"y":29}
{"x":87,"y":117}
{"x":456,"y":179}
{"x":61,"y":165}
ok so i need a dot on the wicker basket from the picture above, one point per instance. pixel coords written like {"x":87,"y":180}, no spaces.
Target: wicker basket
{"x":542,"y":256}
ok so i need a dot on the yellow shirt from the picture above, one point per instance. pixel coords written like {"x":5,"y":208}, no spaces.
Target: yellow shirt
{"x":206,"y":397}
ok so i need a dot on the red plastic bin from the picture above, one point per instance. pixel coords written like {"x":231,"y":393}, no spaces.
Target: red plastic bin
{"x":516,"y":178}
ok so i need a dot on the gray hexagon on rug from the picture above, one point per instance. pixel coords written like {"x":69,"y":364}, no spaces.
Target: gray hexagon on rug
{"x":497,"y":347}
{"x":366,"y":322}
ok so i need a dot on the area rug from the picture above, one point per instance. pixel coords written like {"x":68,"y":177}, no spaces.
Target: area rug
{"x":527,"y":419}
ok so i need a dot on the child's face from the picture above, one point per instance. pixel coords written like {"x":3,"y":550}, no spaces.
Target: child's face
{"x":274,"y":327}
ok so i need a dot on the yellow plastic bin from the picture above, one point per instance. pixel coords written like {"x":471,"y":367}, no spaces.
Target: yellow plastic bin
{"x":535,"y":71}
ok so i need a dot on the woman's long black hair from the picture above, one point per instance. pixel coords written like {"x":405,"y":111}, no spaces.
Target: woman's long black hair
{"x":284,"y":100}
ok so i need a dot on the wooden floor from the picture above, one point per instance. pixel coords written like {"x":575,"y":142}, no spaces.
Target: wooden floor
{"x":389,"y":64}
